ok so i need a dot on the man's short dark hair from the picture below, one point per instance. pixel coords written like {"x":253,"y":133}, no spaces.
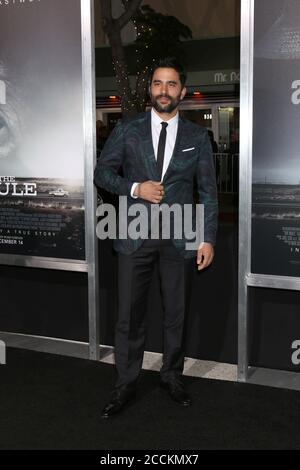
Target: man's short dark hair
{"x":170,"y":63}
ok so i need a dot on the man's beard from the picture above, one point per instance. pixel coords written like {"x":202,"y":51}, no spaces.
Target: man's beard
{"x":165,"y":108}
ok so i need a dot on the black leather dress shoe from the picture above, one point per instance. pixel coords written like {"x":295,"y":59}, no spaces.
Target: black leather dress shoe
{"x":119,"y":398}
{"x":176,"y":391}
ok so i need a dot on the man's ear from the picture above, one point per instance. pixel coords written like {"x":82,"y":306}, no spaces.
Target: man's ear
{"x":183,"y":93}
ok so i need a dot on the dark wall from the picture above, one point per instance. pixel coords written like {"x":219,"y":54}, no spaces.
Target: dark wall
{"x":201,"y":55}
{"x":212,"y":326}
{"x":44,"y":302}
{"x":274,"y":325}
{"x":54,"y":303}
{"x":212,"y":320}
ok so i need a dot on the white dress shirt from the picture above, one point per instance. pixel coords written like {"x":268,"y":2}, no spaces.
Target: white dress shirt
{"x":170,"y":140}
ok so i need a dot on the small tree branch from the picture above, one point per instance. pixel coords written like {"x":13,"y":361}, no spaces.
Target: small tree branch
{"x":106,"y":9}
{"x":106,"y":16}
{"x":132,"y":7}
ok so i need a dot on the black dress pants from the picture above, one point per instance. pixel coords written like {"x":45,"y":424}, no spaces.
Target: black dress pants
{"x":134,"y":278}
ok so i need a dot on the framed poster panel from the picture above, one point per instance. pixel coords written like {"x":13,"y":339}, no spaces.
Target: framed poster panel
{"x":46,"y":133}
{"x":269,"y":217}
{"x":276,"y":139}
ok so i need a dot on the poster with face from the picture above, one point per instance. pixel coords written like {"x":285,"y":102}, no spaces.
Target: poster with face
{"x":41,"y":129}
{"x":276,"y":139}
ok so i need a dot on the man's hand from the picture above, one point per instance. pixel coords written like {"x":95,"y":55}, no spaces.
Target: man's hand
{"x":152,"y":191}
{"x":205,"y":255}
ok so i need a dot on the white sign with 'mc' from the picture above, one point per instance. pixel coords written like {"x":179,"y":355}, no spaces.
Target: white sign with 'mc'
{"x":2,"y":352}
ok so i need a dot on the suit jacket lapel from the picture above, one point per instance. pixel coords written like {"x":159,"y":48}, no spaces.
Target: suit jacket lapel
{"x":178,"y":142}
{"x":147,"y":146}
{"x":145,"y":133}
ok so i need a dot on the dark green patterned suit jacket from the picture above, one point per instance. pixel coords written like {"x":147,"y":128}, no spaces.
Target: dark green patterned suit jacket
{"x":130,"y":148}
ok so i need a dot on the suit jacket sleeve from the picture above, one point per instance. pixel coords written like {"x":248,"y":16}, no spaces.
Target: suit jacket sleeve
{"x":110,"y":161}
{"x":207,"y":189}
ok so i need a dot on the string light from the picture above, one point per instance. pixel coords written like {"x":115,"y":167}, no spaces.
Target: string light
{"x":131,"y":99}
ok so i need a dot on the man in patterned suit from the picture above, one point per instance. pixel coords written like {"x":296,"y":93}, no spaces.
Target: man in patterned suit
{"x":161,"y":155}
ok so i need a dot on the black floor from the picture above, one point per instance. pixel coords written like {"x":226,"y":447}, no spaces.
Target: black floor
{"x":53,"y":402}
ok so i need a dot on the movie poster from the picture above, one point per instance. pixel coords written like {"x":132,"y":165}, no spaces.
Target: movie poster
{"x":41,"y":129}
{"x":276,"y":139}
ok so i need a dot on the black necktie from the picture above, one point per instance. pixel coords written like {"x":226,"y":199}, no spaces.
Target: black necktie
{"x":161,"y":148}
